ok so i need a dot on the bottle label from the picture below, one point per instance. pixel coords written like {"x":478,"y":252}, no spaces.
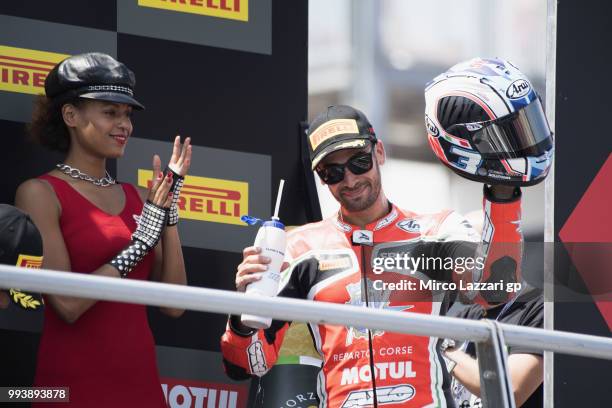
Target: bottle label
{"x":276,"y":251}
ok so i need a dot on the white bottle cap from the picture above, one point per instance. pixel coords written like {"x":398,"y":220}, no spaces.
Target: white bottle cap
{"x":256,"y":322}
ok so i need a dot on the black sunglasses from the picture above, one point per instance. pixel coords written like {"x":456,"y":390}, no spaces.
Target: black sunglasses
{"x":358,"y":164}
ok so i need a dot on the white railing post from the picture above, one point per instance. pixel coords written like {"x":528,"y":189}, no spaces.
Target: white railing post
{"x":495,"y":385}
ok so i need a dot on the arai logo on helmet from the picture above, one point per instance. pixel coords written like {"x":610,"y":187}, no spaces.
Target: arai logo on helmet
{"x":518,"y":89}
{"x":431,"y":127}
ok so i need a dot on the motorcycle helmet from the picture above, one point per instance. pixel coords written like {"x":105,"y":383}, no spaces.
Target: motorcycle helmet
{"x":485,"y":122}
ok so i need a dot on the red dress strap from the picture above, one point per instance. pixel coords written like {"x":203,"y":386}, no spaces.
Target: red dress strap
{"x":62,"y":190}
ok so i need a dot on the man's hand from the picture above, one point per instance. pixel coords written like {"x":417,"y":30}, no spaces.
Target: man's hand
{"x":250,"y":269}
{"x":253,"y":264}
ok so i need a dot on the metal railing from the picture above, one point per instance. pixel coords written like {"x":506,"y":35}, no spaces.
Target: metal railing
{"x":490,"y":337}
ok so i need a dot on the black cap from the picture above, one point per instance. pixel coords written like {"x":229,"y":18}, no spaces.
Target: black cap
{"x":20,"y":245}
{"x":94,"y":76}
{"x":339,"y":127}
{"x":20,"y":241}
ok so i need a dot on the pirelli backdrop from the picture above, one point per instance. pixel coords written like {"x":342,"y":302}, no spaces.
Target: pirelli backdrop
{"x":232,"y":75}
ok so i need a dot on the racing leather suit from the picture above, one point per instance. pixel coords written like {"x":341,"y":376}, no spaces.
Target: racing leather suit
{"x":326,"y":265}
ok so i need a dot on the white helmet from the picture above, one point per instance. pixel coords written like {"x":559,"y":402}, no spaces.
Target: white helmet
{"x":485,"y":121}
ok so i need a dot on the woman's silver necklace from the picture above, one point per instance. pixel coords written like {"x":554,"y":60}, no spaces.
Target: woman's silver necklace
{"x":73,"y":172}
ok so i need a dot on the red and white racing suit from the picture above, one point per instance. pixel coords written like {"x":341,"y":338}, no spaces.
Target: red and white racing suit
{"x":326,"y":266}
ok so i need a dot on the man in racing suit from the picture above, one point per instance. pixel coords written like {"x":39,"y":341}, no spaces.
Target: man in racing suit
{"x":331,"y":261}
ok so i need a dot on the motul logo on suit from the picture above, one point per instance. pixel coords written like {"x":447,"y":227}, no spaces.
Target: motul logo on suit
{"x":192,"y":394}
{"x":394,"y":369}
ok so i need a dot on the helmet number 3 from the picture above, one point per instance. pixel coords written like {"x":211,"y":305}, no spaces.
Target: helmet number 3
{"x":467,"y":160}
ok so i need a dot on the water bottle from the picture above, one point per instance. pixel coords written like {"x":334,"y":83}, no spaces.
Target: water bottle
{"x":271,"y":238}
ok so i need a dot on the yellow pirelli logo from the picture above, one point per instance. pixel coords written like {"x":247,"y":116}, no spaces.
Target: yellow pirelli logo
{"x":332,"y":128}
{"x":29,"y":261}
{"x":208,"y":199}
{"x":230,"y":9}
{"x":24,"y":71}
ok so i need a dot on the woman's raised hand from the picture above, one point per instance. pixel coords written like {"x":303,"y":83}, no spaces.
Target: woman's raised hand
{"x":159,"y":194}
{"x":181,"y":156}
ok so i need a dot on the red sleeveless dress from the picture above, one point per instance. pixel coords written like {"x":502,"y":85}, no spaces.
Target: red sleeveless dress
{"x":107,"y":357}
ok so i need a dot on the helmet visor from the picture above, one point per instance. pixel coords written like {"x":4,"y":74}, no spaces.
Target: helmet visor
{"x":522,"y":133}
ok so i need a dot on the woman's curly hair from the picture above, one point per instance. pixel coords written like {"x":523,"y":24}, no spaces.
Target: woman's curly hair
{"x":47,"y":126}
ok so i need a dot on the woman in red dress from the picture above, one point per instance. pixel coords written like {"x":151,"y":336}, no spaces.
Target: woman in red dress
{"x":103,"y":351}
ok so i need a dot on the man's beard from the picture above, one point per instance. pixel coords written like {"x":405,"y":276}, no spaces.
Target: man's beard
{"x":362,"y":202}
